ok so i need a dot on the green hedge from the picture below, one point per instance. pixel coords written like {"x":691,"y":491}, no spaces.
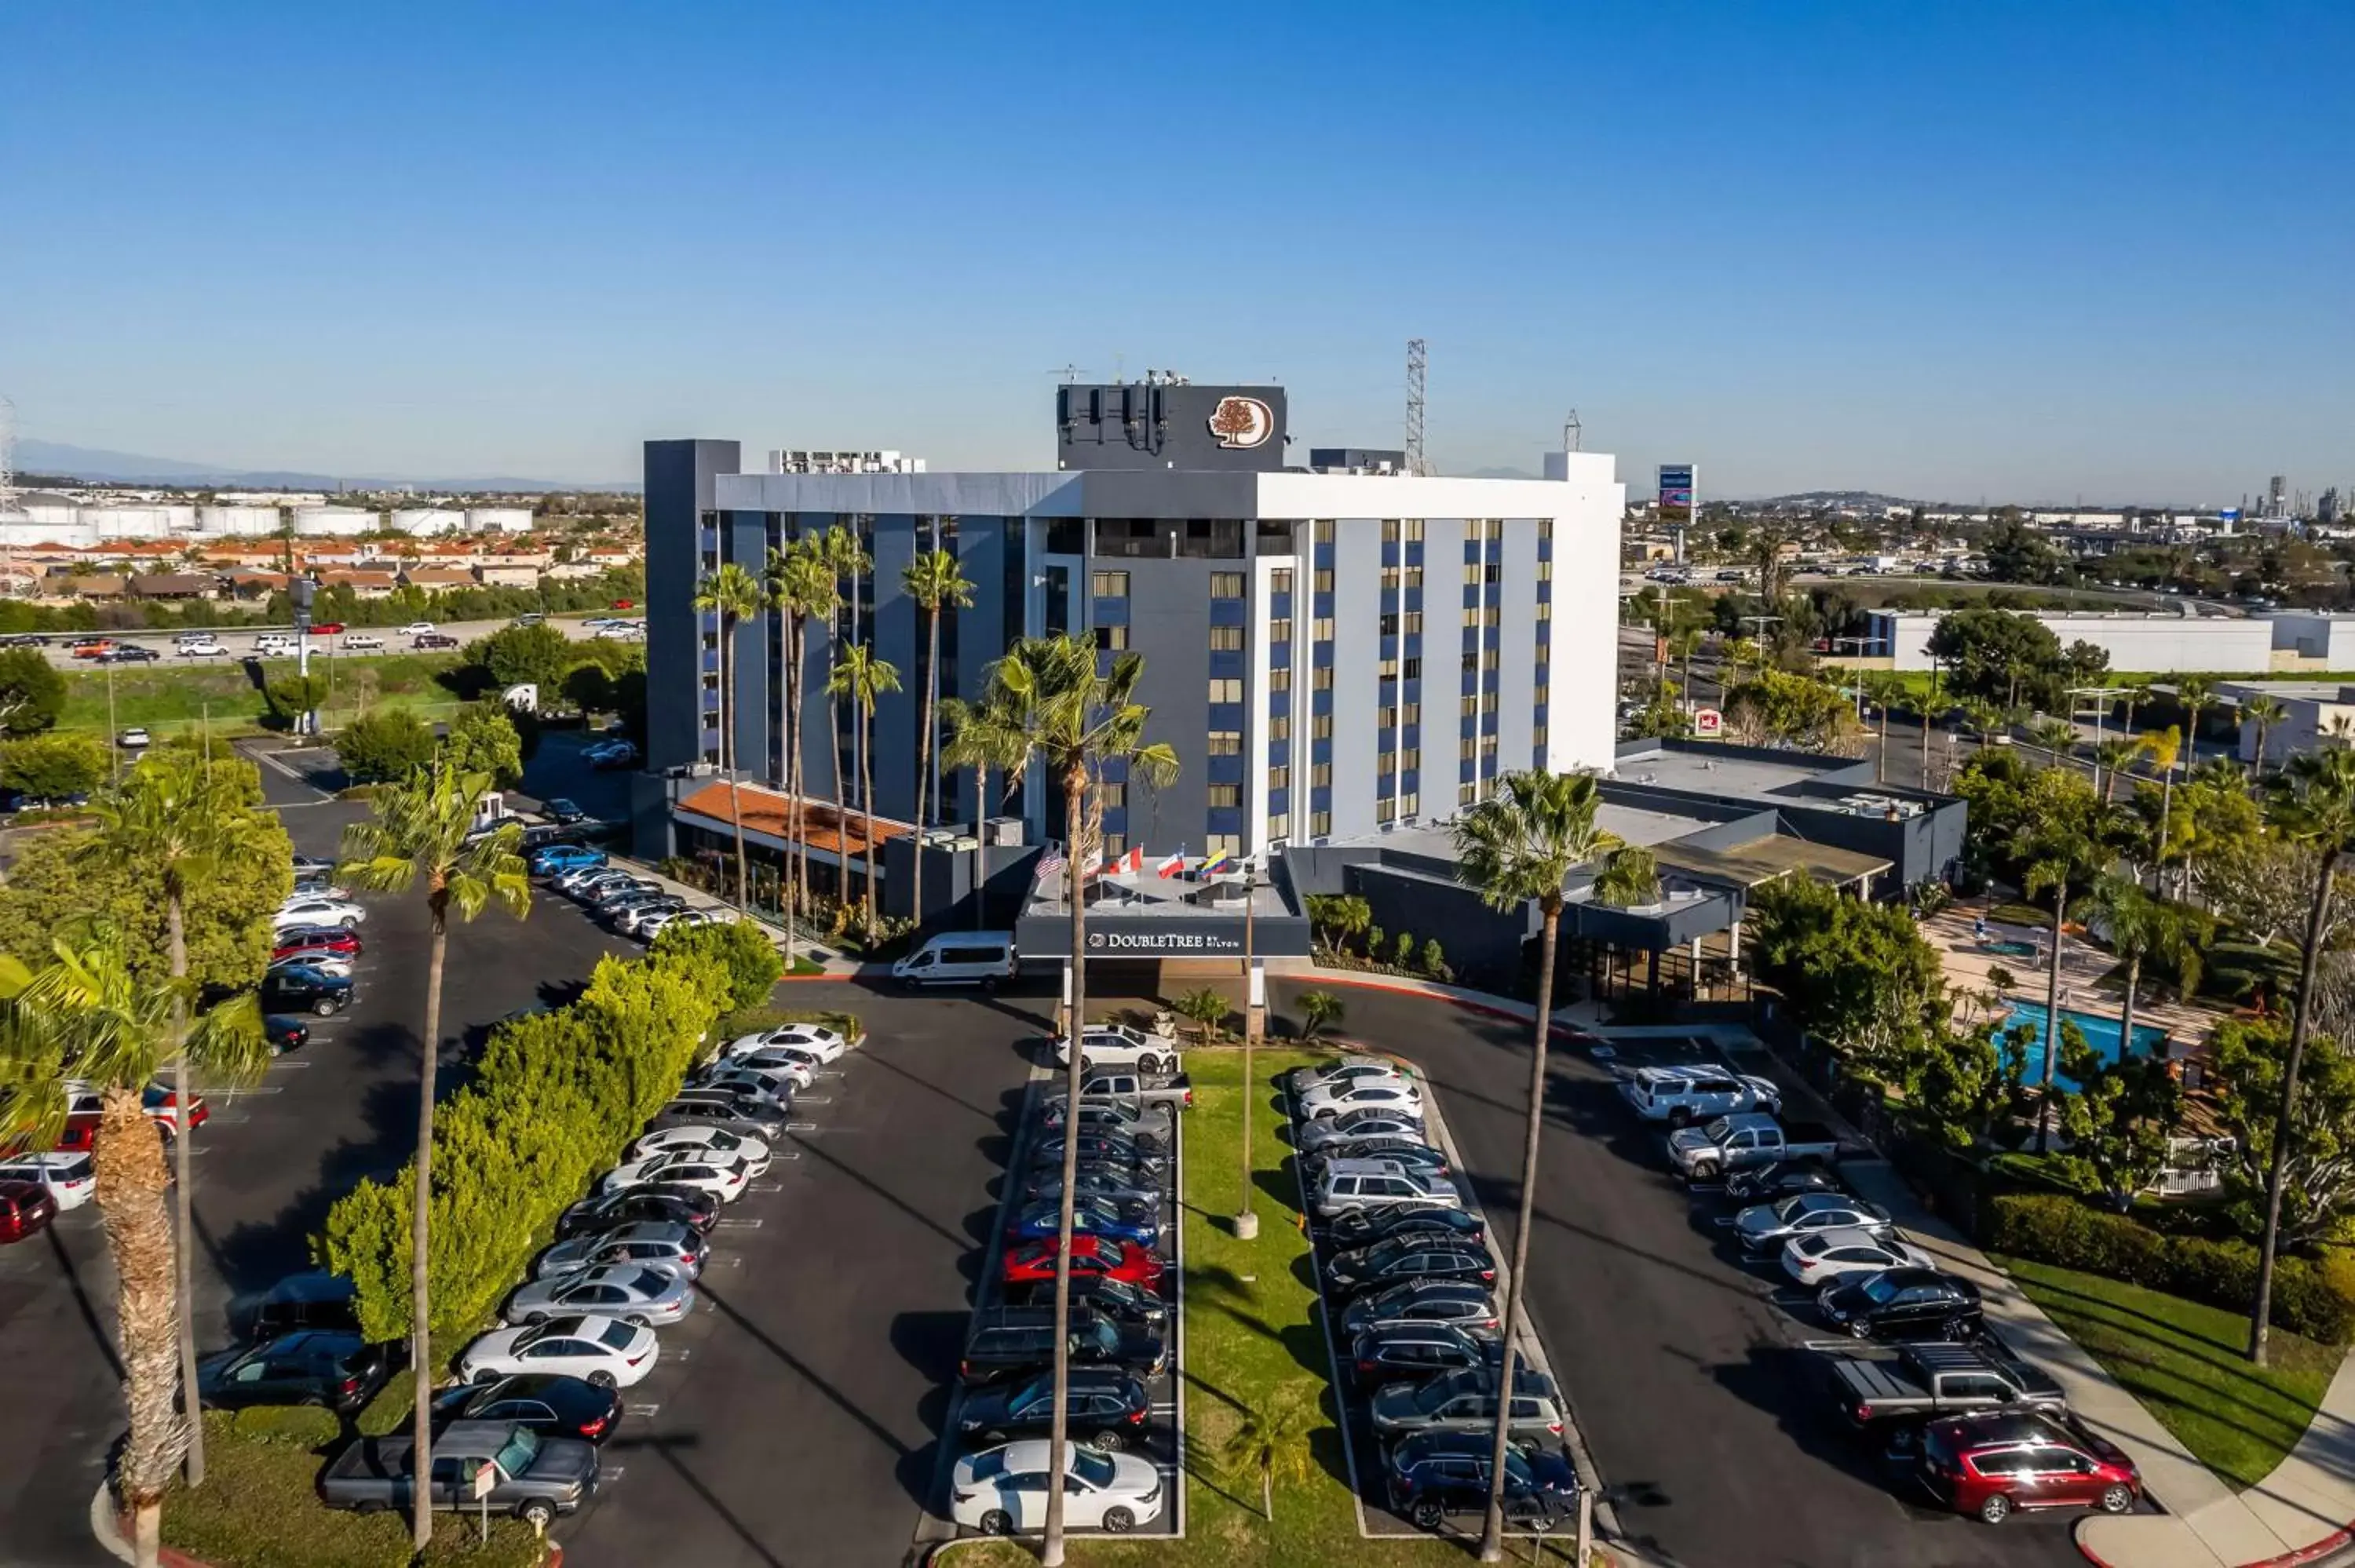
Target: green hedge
{"x":557,"y":1096}
{"x":2307,"y":1299}
{"x":742,"y":947}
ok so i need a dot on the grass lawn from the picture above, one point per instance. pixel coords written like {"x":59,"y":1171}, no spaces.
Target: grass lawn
{"x":2184,"y":1361}
{"x":167,"y":698}
{"x":1251,"y":1334}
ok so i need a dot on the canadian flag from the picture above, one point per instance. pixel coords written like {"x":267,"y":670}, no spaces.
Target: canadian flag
{"x":1128,"y":864}
{"x":1170,"y":866}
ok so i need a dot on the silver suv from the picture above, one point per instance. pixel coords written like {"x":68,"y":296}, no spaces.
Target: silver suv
{"x":1466,"y":1400}
{"x":1345,"y":1184}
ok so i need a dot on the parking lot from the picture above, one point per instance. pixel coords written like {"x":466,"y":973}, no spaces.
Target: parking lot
{"x":1692,"y":1386}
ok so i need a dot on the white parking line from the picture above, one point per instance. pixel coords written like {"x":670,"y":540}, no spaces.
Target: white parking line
{"x":822,"y":1100}
{"x":765,"y":1187}
{"x":811,"y":1127}
{"x":752,"y":1225}
{"x":291,"y":1065}
{"x":608,"y":1473}
{"x":644,"y":1412}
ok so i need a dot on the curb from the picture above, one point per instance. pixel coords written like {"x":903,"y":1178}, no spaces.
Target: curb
{"x":2330,"y":1546}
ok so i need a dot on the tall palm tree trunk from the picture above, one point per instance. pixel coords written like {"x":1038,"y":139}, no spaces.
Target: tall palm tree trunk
{"x":2159,"y":850}
{"x":183,"y":1199}
{"x":2302,"y":1021}
{"x":728,"y":751}
{"x":2126,"y":1009}
{"x":2051,"y":1021}
{"x":421,"y":1298}
{"x":924,"y":756}
{"x":841,"y":820}
{"x":1075,"y":784}
{"x":867,"y":802}
{"x":1492,"y":1530}
{"x":794,"y":643}
{"x":130,"y":1170}
{"x":980,"y":849}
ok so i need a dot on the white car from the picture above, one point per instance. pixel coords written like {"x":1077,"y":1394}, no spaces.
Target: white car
{"x":418,"y":629}
{"x":361,"y":641}
{"x":653,"y":925}
{"x":304,"y":909}
{"x":1118,"y":1045}
{"x":66,"y":1173}
{"x":1003,"y":1490}
{"x":820,"y":1043}
{"x":605,"y":1350}
{"x":777,"y":1080}
{"x":1348,"y":1069}
{"x":205,"y":650}
{"x":1404,"y":1095}
{"x":708,"y":1140}
{"x":644,"y":1243}
{"x":134,"y":739}
{"x":1820,"y":1257}
{"x":723,"y":1179}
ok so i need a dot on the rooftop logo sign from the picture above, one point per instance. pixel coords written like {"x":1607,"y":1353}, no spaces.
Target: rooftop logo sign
{"x":1243,"y":422}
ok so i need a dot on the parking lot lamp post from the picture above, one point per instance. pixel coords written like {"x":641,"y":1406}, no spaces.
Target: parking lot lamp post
{"x":113,"y":735}
{"x":1254,"y":1010}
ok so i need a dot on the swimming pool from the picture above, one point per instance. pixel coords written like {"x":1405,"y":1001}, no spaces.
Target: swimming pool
{"x":2101,"y":1032}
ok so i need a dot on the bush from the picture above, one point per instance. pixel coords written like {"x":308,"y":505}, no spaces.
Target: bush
{"x":52,"y":767}
{"x":740,"y":947}
{"x":2311,"y":1300}
{"x":32,"y":690}
{"x":1434,"y":961}
{"x":385,"y":744}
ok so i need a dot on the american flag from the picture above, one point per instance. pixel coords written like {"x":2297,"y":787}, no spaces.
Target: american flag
{"x":1052,"y":864}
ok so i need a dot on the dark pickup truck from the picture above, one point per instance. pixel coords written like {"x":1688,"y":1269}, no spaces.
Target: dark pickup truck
{"x":1923,"y":1383}
{"x":536,"y":1477}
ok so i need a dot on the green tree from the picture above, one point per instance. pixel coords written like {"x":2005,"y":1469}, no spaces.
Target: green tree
{"x":2061,"y":849}
{"x":483,"y":739}
{"x":53,"y":766}
{"x":2114,"y":757}
{"x":974,"y":743}
{"x":1629,"y":879}
{"x":536,"y":655}
{"x":932,"y":580}
{"x":803,"y":584}
{"x":2316,"y":1158}
{"x":32,"y":692}
{"x":2311,"y":802}
{"x":2139,"y":927}
{"x":731,"y":595}
{"x":2264,"y":713}
{"x":2118,"y":1118}
{"x":843,"y":556}
{"x":737,"y":949}
{"x":862,"y":677}
{"x":384,"y":744}
{"x":1046,"y":700}
{"x":1518,"y":847}
{"x":2018,"y":554}
{"x":1857,"y":976}
{"x":1968,"y":1086}
{"x":1272,"y":1440}
{"x":420,"y":829}
{"x":1208,"y":1009}
{"x":184,"y":820}
{"x":1319,"y":1011}
{"x":56,"y":889}
{"x":2000,"y":655}
{"x":88,"y":1015}
{"x":291,"y":697}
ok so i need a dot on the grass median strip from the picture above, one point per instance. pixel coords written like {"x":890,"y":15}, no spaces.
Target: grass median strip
{"x":2185,"y":1361}
{"x":1253,"y":1344}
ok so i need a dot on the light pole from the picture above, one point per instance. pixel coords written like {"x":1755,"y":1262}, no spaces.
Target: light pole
{"x":2100,"y":707}
{"x":1254,"y":1007}
{"x":113,"y":735}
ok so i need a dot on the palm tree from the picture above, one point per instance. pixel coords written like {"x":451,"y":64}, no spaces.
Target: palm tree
{"x":2057,"y":737}
{"x":802,"y":585}
{"x":2312,"y":802}
{"x":1884,"y":691}
{"x":1046,"y":700}
{"x":1929,"y":705}
{"x":932,"y":580}
{"x":2058,"y":850}
{"x":732,"y":594}
{"x":2113,"y":757}
{"x":861,"y":677}
{"x":839,"y":549}
{"x":2194,"y":692}
{"x":88,"y":1015}
{"x":188,"y":821}
{"x":421,"y":830}
{"x":1272,"y":1440}
{"x":2161,"y":745}
{"x":2142,"y":927}
{"x":2264,"y":713}
{"x":1520,"y":845}
{"x":2133,"y":693}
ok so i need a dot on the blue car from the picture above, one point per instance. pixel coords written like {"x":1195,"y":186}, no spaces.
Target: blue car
{"x":1090,"y":1216}
{"x":564,"y":857}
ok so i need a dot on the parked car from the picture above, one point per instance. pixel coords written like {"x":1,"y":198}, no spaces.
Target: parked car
{"x":1767,"y":1183}
{"x":304,"y":909}
{"x":1347,"y":1070}
{"x":1345,"y":1184}
{"x":823,"y":1044}
{"x":334,"y":966}
{"x":1433,"y":1476}
{"x":666,"y":1245}
{"x":1090,"y":1255}
{"x":1128,"y":1086}
{"x":1008,"y":1342}
{"x":633,"y":920}
{"x":301,"y":942}
{"x":66,"y":1175}
{"x":1464,"y":1304}
{"x":1751,"y":1138}
{"x":1991,"y":1465}
{"x":302,"y":988}
{"x":1101,"y":1145}
{"x":606,"y":1351}
{"x":1116,"y":1182}
{"x":134,"y":738}
{"x":633,"y":1292}
{"x":1118,"y":1045}
{"x":1130,"y":1306}
{"x":26,"y":1210}
{"x":1680,"y":1095}
{"x":612,"y":754}
{"x":1407,"y":1153}
{"x":697,"y":1210}
{"x":1139,"y":1222}
{"x":1402,"y":1097}
{"x":1925,"y":1382}
{"x":1764,"y":1226}
{"x":1467,"y":1401}
{"x":1003,"y":1490}
{"x":772,"y":1087}
{"x":1355,"y":1126}
{"x":1150,"y":1126}
{"x":784,"y":1064}
{"x":1364,"y":1227}
{"x":983,"y":959}
{"x":551,"y":1405}
{"x":557,"y":858}
{"x":1408,"y":1257}
{"x":608,"y":892}
{"x":1902,"y":1304}
{"x":563,"y":811}
{"x":1822,"y":1257}
{"x":314,"y":1300}
{"x":724,"y":1179}
{"x":536,"y":1477}
{"x":1398,"y":1352}
{"x":314,"y":1366}
{"x":1104,"y":1407}
{"x":709,"y":1142}
{"x":738,"y":1114}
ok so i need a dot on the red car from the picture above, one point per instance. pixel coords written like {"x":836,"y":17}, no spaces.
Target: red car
{"x":343,"y":945}
{"x":26,"y":1210}
{"x":1091,"y":1256}
{"x":84,"y":1100}
{"x":326,"y":628}
{"x":1989,"y":1465}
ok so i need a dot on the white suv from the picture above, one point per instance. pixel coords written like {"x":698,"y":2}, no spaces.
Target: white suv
{"x":1682,"y":1096}
{"x":1378,"y":1183}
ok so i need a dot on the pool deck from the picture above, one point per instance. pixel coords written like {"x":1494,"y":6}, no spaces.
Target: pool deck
{"x":2085,"y":968}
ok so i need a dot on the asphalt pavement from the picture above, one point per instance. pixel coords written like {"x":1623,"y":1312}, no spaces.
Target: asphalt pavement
{"x":237,"y":642}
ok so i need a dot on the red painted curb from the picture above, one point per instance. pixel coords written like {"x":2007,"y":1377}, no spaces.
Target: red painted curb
{"x":2337,"y":1540}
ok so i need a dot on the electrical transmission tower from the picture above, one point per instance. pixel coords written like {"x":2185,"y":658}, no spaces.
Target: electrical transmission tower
{"x":1572,"y":432}
{"x":7,"y":456}
{"x":1417,"y":462}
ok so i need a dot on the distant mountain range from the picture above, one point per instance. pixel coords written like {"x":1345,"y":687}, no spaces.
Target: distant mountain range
{"x":98,"y":465}
{"x":1838,"y":498}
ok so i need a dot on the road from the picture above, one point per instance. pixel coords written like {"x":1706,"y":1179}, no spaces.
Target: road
{"x":236,"y":643}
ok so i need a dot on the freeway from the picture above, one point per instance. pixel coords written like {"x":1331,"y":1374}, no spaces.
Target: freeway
{"x":237,"y":642}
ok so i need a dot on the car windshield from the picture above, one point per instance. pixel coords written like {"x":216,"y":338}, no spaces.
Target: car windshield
{"x":1883,"y":1287}
{"x":1791,"y":1208}
{"x":1435,"y":1393}
{"x":650,"y":1282}
{"x":516,"y":1454}
{"x":1091,"y":1466}
{"x":1100,"y":1332}
{"x":617,"y":1335}
{"x":1715,"y":1131}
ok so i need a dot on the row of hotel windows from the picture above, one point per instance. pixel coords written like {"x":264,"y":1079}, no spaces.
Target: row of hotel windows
{"x":1223,"y":585}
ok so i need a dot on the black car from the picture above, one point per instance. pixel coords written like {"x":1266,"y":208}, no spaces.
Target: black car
{"x":285,"y":1034}
{"x":1399,"y":1352}
{"x":1772,"y":1183}
{"x":688,"y":1206}
{"x":127,"y":654}
{"x":1433,"y":1475}
{"x":1120,"y":1184}
{"x":1902,"y":1304}
{"x":1364,"y":1227}
{"x":549,"y":1403}
{"x":1461,"y":1303}
{"x":316,"y":1366}
{"x":1008,"y":1342}
{"x":562,"y":812}
{"x":1109,"y":1146}
{"x":1107,"y":1409}
{"x":1131,"y":1305}
{"x":298,"y":987}
{"x":1409,"y":1257}
{"x":317,"y":1300}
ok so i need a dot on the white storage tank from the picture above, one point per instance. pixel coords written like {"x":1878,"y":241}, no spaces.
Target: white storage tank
{"x":56,"y":511}
{"x":21,"y":534}
{"x":499,"y":519}
{"x":336,"y":521}
{"x":238,"y":522}
{"x":140,"y":522}
{"x":427,"y":520}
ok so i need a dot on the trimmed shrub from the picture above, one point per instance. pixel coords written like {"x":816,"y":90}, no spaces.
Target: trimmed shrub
{"x":742,"y":948}
{"x":2312,"y":1300}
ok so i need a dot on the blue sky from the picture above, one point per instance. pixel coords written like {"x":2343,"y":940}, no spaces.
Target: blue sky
{"x":2017,"y":249}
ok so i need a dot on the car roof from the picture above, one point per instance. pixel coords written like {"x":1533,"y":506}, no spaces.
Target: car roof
{"x":1348,"y":1166}
{"x":48,"y":1159}
{"x":315,"y":1286}
{"x":1664,"y":1076}
{"x":473,"y":1439}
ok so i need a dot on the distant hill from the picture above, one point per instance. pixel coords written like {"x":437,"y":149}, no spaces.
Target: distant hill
{"x":97,"y":465}
{"x":1839,"y":498}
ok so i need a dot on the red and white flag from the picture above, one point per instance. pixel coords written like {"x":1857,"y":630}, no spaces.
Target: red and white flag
{"x":1132,"y":863}
{"x":1169,"y":865}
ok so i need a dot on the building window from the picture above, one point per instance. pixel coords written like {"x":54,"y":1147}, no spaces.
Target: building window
{"x":1320,"y":775}
{"x":1538,"y":697}
{"x":1279,"y":824}
{"x":1385,"y":763}
{"x":1108,"y":585}
{"x":1226,"y":691}
{"x":1489,"y":748}
{"x":1226,"y":639}
{"x":1385,"y":810}
{"x":1389,"y":719}
{"x":1226,"y":585}
{"x":1538,"y":735}
{"x":1415,"y":669}
{"x":1321,"y":531}
{"x":1322,"y":581}
{"x":1413,"y":710}
{"x":1280,"y":776}
{"x":1463,"y":752}
{"x":1545,"y":610}
{"x":1388,"y":669}
{"x":1471,"y":660}
{"x":1469,"y":708}
{"x":1217,"y":844}
{"x":1489,"y":573}
{"x":1414,"y":530}
{"x":1280,"y":581}
{"x":1545,"y":570}
{"x":1410,"y":802}
{"x":1410,"y":758}
{"x":1320,"y":824}
{"x":1390,"y":579}
{"x":1226,"y":794}
{"x":1114,"y":796}
{"x":1280,"y":680}
{"x":1226,"y":743}
{"x":1390,"y":531}
{"x":1279,"y":728}
{"x":1114,"y":637}
{"x":1414,"y":619}
{"x":1465,"y":793}
{"x":1321,"y":630}
{"x":1323,"y":677}
{"x":1115,"y":845}
{"x":1414,"y":578}
{"x":1389,"y":625}
{"x":1320,"y":727}
{"x":1280,"y":631}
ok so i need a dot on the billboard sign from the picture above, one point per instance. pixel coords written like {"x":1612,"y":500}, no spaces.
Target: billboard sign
{"x":1676,"y":493}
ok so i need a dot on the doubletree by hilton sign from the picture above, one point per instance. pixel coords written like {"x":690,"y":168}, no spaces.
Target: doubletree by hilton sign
{"x":1281,"y":936}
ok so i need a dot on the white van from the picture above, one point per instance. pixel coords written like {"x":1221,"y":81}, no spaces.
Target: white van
{"x":971,"y":957}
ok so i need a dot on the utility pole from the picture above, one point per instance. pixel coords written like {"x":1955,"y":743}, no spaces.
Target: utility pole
{"x":1255,"y":1004}
{"x":113,"y":735}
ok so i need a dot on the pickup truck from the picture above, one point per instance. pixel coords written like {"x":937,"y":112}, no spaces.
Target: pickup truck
{"x":539,"y":1478}
{"x":1133,"y":1088}
{"x":1923,"y":1383}
{"x":1748,"y":1139}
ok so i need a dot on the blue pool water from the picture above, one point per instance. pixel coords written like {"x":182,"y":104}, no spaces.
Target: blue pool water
{"x":2101,"y":1031}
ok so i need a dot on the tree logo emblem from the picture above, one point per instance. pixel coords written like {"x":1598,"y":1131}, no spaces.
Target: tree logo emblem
{"x":1095,"y":939}
{"x":1243,"y":422}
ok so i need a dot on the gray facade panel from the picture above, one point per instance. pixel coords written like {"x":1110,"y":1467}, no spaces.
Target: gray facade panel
{"x":680,"y":481}
{"x":1517,"y":646}
{"x":898,"y":641}
{"x":1169,"y":624}
{"x":946,"y":494}
{"x":752,"y":706}
{"x":1443,"y":616}
{"x":1356,"y":657}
